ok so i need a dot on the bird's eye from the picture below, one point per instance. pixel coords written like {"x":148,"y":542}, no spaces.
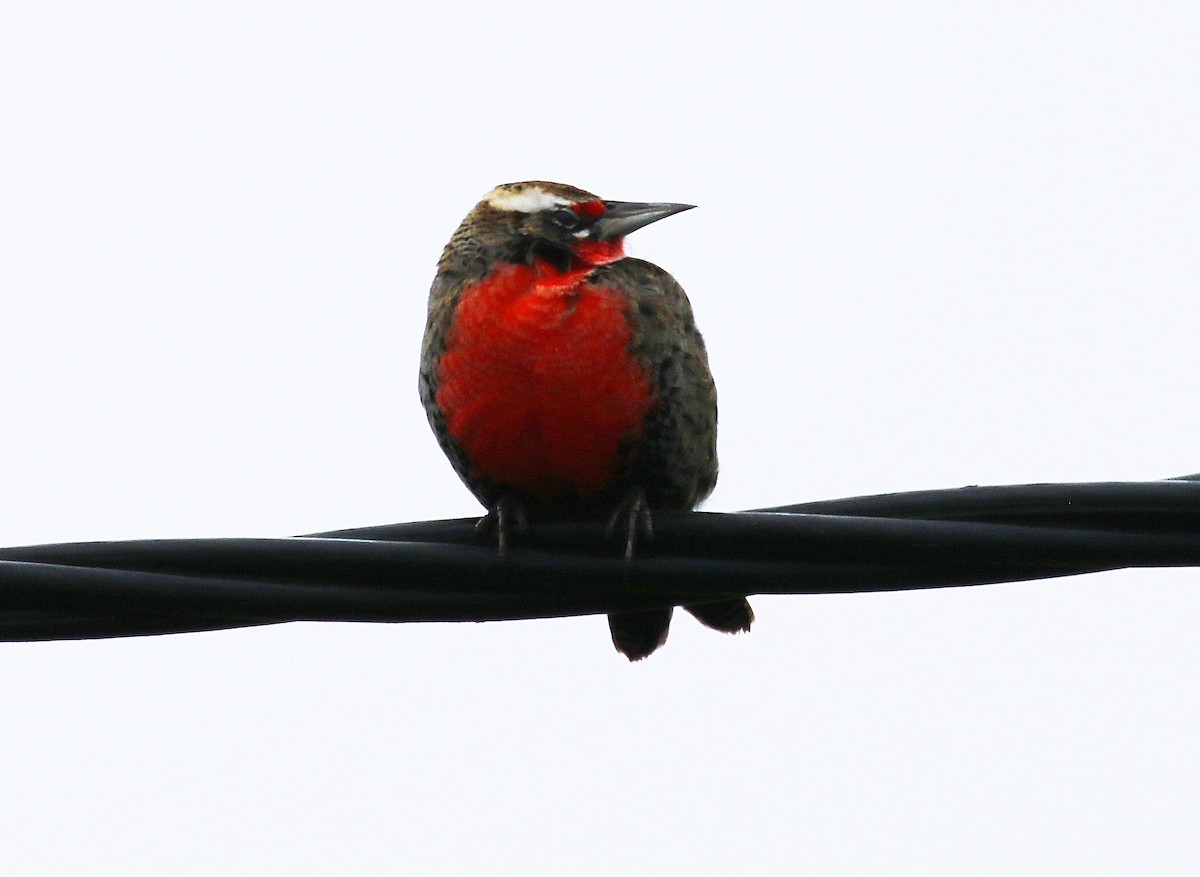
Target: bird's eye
{"x":565,"y":217}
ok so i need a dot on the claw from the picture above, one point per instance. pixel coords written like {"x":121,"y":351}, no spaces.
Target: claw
{"x":634,"y":512}
{"x":505,"y":517}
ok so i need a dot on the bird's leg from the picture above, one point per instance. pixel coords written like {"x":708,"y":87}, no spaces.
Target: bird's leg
{"x":633,"y":515}
{"x":506,"y":516}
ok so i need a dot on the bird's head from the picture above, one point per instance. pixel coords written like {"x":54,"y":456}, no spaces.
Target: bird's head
{"x":559,"y":224}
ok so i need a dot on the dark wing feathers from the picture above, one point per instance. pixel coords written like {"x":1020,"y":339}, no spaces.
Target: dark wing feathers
{"x":677,"y":453}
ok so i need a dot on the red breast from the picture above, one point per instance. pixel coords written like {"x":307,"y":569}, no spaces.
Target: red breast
{"x":536,"y":383}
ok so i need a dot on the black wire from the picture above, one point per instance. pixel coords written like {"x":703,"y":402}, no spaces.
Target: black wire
{"x":439,"y":571}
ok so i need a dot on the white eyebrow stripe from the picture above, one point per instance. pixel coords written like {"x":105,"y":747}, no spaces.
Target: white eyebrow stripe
{"x":529,"y":200}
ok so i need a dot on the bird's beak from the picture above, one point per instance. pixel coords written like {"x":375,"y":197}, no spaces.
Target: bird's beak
{"x":621,"y":217}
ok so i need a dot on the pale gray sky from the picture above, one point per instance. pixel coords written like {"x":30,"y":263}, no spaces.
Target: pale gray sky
{"x":937,"y":245}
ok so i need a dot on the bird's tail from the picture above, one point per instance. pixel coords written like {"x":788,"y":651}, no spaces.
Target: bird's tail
{"x":637,"y":634}
{"x":727,"y":616}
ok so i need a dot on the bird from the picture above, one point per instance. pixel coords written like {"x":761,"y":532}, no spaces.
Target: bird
{"x":565,"y":379}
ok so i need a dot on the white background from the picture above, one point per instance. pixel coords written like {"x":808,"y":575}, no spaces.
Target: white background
{"x":938,"y":244}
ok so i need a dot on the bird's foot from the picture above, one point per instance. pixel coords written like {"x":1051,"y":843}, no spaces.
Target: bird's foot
{"x":632,"y":515}
{"x":505,"y":517}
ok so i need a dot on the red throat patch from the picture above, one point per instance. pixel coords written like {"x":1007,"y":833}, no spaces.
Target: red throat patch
{"x":600,"y":252}
{"x":537,"y":385}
